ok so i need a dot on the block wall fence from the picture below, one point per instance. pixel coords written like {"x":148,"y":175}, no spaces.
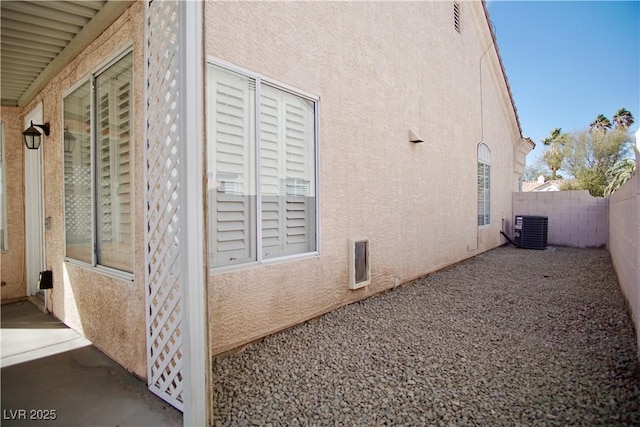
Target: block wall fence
{"x":624,"y":241}
{"x":575,"y":218}
{"x":579,"y":220}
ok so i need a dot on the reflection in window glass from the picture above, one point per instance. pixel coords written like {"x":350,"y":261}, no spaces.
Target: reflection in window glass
{"x":77,"y":174}
{"x":97,"y":168}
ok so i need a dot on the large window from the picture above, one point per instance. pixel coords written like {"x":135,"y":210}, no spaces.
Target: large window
{"x":97,"y":168}
{"x":484,"y":185}
{"x":261,"y":169}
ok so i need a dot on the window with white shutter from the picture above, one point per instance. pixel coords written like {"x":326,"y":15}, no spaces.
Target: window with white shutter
{"x":262,"y":145}
{"x":484,"y":185}
{"x":232,"y":194}
{"x":113,"y":95}
{"x":287,"y":134}
{"x":97,"y":171}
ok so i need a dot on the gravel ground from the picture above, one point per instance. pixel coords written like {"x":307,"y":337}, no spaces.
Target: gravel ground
{"x":510,"y":337}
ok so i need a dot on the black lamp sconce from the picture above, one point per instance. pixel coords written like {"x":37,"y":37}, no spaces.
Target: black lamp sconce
{"x":33,"y":137}
{"x":69,"y":141}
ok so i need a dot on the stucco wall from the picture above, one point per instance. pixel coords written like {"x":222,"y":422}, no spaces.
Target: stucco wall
{"x":624,"y":241}
{"x":575,"y":218}
{"x":108,"y":311}
{"x":378,"y":69}
{"x":12,"y":260}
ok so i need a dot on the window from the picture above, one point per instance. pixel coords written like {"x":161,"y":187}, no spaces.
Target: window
{"x":97,"y":171}
{"x":3,"y":193}
{"x":484,"y":185}
{"x":261,"y":167}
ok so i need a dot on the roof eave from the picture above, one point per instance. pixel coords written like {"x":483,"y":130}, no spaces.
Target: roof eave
{"x":504,"y":73}
{"x":100,"y":22}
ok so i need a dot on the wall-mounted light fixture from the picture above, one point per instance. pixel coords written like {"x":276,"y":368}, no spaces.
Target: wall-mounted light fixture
{"x":69,"y":141}
{"x":33,"y":137}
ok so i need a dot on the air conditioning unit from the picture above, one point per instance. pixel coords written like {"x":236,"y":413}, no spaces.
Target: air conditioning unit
{"x":531,"y":231}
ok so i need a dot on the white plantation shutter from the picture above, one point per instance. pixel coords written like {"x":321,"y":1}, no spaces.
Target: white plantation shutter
{"x":115,"y":237}
{"x":271,"y":166}
{"x":300,"y":135}
{"x":124,"y":112}
{"x":104,"y":170}
{"x":231,"y":162}
{"x":283,"y":188}
{"x":287,"y":168}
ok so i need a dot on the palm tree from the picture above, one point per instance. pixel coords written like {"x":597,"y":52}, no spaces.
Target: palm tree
{"x":623,"y":119}
{"x":600,"y":123}
{"x":620,"y":173}
{"x":554,"y":155}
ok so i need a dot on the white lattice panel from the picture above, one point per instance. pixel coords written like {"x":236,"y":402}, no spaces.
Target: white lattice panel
{"x":163,"y":281}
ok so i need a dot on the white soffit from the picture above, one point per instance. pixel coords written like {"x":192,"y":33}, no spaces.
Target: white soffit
{"x":39,"y":38}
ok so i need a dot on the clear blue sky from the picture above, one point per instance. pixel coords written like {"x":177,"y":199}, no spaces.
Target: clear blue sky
{"x":568,"y":61}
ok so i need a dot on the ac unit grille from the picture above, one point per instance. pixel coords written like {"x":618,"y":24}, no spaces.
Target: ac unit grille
{"x":531,"y":231}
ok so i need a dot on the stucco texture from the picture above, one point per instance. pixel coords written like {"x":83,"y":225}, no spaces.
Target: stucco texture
{"x":12,"y":260}
{"x":379,"y":69}
{"x":109,"y":311}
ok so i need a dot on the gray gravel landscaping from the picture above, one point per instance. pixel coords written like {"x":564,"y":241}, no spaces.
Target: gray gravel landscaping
{"x":510,"y":337}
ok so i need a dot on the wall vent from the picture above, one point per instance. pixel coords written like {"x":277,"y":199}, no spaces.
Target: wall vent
{"x":456,"y":16}
{"x":359,"y":263}
{"x":531,"y":231}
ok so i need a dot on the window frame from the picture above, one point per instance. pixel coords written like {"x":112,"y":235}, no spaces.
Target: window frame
{"x":256,"y":165}
{"x":91,"y":78}
{"x":485,"y":192}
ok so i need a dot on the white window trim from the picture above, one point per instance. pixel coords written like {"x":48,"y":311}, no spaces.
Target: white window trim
{"x":90,"y":77}
{"x":258,"y":78}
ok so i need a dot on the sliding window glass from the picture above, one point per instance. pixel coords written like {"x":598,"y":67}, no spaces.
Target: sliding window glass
{"x":113,"y":186}
{"x":77,"y":175}
{"x":98,"y":191}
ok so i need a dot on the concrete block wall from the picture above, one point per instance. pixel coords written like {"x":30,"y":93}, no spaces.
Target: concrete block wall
{"x":624,"y":242}
{"x":575,"y":218}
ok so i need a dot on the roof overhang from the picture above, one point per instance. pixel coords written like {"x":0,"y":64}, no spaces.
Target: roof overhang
{"x":504,"y":73}
{"x":39,"y":38}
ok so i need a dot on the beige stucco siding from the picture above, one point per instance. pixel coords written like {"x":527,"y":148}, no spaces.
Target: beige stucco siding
{"x":12,"y":260}
{"x":378,"y":69}
{"x":107,"y":310}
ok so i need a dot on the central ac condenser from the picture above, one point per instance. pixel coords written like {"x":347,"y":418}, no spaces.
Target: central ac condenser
{"x":531,"y":231}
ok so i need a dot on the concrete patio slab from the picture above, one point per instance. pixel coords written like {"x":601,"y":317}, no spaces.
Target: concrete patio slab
{"x":53,"y":376}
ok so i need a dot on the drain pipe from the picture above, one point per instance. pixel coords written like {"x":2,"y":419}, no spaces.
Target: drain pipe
{"x":507,"y":237}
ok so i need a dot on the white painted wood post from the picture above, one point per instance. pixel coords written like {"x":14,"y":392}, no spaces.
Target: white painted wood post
{"x":196,"y":369}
